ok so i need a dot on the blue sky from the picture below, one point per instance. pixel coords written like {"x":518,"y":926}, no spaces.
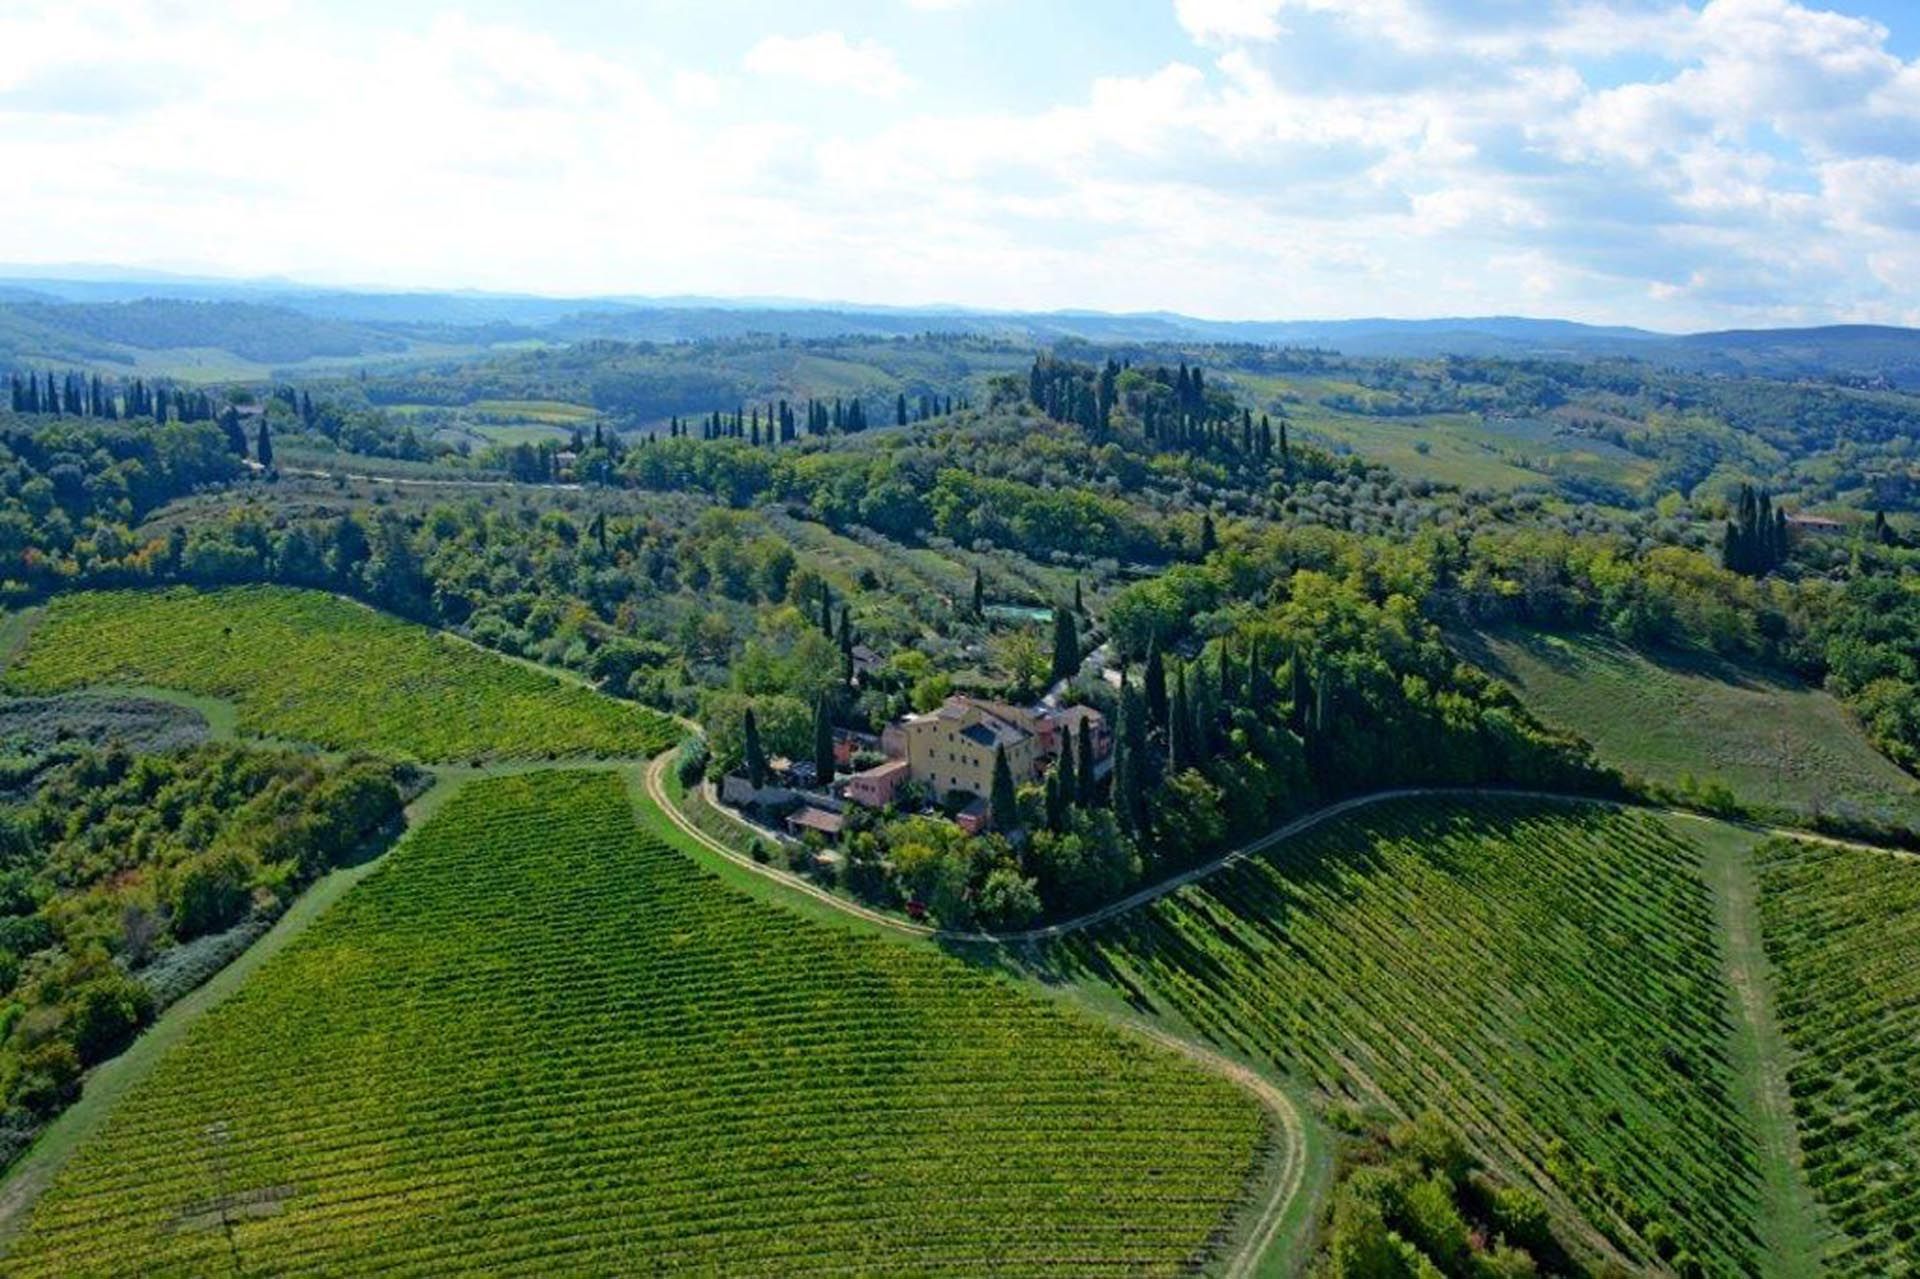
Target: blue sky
{"x":1659,"y":162}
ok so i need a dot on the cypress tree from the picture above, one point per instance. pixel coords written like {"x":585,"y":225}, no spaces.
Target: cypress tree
{"x":822,"y":743}
{"x":826,"y":610}
{"x":1055,"y":809}
{"x":1088,"y":782}
{"x":263,"y":446}
{"x":1066,"y":645}
{"x":1209,"y":540}
{"x":1180,"y":745}
{"x":1003,"y":806}
{"x":756,"y":757}
{"x":979,"y":595}
{"x":1156,"y":682}
{"x":1080,"y":604}
{"x":229,"y":422}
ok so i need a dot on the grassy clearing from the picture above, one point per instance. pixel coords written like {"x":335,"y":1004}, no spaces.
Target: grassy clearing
{"x":1774,"y":741}
{"x":1792,"y":1228}
{"x":538,"y":1039}
{"x":1842,"y":927}
{"x":310,"y":667}
{"x":1547,"y":977}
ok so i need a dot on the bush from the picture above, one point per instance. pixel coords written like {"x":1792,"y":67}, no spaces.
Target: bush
{"x":690,"y":764}
{"x":211,"y":892}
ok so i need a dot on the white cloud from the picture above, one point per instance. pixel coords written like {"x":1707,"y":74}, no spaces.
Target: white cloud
{"x":1230,"y":19}
{"x":1743,"y":161}
{"x":828,"y":59}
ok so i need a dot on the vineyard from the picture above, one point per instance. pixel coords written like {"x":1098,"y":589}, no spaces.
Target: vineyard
{"x":536,"y":1039}
{"x":1842,"y":927}
{"x":1545,"y":976}
{"x":311,"y":667}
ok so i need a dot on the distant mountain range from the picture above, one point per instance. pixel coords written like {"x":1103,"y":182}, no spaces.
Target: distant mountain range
{"x":106,"y":317}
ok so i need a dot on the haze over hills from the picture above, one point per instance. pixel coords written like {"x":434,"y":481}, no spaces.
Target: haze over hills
{"x":113,"y":317}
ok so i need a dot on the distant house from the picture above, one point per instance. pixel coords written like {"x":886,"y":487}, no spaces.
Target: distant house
{"x":847,"y":744}
{"x":819,"y":820}
{"x":1818,"y":525}
{"x":974,"y":817}
{"x":738,"y":790}
{"x":876,"y":787}
{"x":866,"y":662}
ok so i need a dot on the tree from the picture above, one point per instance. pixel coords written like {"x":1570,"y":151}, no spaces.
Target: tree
{"x":1181,"y":752}
{"x":1087,"y":784}
{"x":1008,"y":900}
{"x":1156,"y":682}
{"x":979,"y":595}
{"x":822,"y":743}
{"x":756,"y":755}
{"x":1022,"y":655}
{"x":1066,"y":645}
{"x":230,"y":423}
{"x":1003,"y":806}
{"x":1209,"y":540}
{"x":263,"y":446}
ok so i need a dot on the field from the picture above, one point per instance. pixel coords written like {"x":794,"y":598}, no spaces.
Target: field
{"x":310,"y":667}
{"x":1774,"y":741}
{"x":1450,"y":448}
{"x":537,"y":1039}
{"x":1548,"y":977}
{"x":1842,"y":927}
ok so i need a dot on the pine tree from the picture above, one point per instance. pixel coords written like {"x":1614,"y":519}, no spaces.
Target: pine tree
{"x":1003,"y":806}
{"x":756,"y":757}
{"x":822,"y":743}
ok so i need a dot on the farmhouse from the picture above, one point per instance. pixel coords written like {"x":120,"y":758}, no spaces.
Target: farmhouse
{"x":952,"y":748}
{"x":876,"y":787}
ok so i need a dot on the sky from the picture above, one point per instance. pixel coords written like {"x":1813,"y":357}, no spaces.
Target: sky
{"x":1675,"y":165}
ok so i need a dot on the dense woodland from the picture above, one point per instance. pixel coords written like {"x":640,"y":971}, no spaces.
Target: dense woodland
{"x":126,"y":878}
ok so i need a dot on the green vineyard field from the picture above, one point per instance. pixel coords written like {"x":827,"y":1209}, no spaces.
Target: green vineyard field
{"x":537,"y":1040}
{"x":1842,"y":927}
{"x":312,"y":667}
{"x":1545,"y":976}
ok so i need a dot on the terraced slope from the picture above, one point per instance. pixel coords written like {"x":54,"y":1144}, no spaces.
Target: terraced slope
{"x":1842,"y":927}
{"x":1547,"y":976}
{"x":538,"y":1041}
{"x":312,"y":667}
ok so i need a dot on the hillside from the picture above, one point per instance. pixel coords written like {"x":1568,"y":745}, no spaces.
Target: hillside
{"x":538,"y":1039}
{"x":311,"y":667}
{"x":1672,"y":715}
{"x":1546,"y":978}
{"x":1842,"y":926}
